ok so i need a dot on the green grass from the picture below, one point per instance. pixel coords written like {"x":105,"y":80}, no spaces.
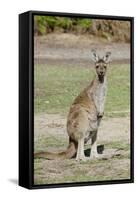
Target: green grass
{"x":118,"y":145}
{"x":118,"y":98}
{"x":57,"y":86}
{"x":48,"y":142}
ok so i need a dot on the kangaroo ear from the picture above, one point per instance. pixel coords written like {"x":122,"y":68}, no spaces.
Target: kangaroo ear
{"x":106,"y":58}
{"x":95,"y":57}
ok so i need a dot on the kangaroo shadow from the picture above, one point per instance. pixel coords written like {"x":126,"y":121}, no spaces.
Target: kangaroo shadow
{"x":100,"y":149}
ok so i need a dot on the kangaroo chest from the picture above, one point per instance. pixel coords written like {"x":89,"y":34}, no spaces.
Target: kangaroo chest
{"x":99,"y":96}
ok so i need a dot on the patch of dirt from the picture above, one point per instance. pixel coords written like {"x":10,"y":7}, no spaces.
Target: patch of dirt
{"x":69,"y":49}
{"x":111,"y":129}
{"x":113,"y":164}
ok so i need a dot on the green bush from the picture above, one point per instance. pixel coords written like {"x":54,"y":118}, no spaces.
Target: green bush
{"x":47,"y":24}
{"x":65,"y":23}
{"x":85,"y":23}
{"x":40,"y":25}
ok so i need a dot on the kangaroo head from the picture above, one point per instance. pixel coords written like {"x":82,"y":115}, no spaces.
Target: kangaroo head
{"x":101,"y":64}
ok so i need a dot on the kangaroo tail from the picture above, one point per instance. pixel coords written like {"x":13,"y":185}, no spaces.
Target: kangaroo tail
{"x":69,"y":153}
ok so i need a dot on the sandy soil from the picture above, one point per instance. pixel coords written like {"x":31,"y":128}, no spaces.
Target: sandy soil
{"x":111,"y":129}
{"x":70,"y":49}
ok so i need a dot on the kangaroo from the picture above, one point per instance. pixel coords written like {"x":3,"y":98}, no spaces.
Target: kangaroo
{"x":85,"y":115}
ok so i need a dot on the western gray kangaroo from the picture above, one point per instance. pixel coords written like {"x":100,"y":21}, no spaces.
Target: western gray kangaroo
{"x":85,"y":115}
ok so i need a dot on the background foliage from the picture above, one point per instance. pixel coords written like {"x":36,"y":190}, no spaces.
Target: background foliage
{"x":110,"y":29}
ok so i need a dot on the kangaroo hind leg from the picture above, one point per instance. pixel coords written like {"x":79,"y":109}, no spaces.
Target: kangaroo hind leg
{"x":80,"y":151}
{"x":93,"y":152}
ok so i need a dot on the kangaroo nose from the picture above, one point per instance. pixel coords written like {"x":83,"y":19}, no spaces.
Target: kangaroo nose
{"x":101,"y":73}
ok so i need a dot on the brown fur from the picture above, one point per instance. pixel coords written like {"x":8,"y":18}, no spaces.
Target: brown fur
{"x":69,"y":153}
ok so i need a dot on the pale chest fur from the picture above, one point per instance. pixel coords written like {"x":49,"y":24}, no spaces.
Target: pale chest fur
{"x":99,"y":95}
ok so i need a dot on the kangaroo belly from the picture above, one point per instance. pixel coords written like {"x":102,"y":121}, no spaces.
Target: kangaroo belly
{"x":81,"y":122}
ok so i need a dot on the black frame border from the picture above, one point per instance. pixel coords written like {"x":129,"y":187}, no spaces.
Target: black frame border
{"x":26,"y":107}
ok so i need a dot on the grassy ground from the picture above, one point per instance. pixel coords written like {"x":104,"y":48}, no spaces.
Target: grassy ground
{"x":71,"y":171}
{"x":57,"y":86}
{"x":51,"y":135}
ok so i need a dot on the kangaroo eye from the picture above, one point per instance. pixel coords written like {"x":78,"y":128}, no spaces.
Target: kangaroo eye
{"x":105,"y":66}
{"x":97,"y":66}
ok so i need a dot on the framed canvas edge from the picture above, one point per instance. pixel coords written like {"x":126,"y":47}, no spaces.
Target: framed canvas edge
{"x":31,"y":184}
